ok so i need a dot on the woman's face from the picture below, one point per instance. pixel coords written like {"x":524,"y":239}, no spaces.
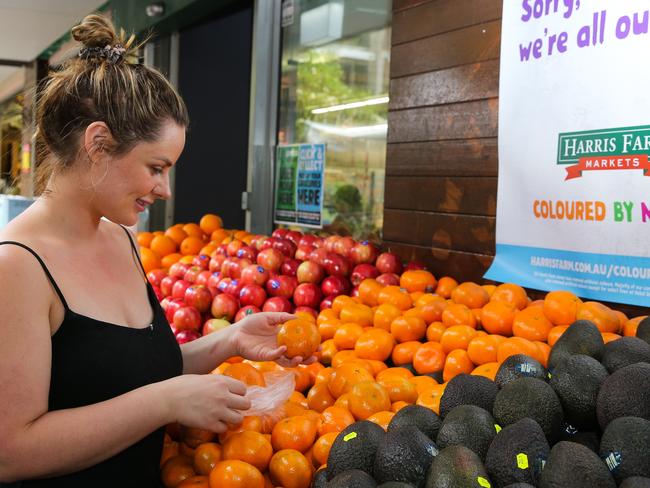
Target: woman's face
{"x":132,"y":182}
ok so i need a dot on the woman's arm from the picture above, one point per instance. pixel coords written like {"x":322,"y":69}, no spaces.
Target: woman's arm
{"x":36,"y":442}
{"x":254,"y":338}
{"x":202,"y":355}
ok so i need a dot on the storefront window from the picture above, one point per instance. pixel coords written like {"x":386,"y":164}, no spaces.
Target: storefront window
{"x":334,"y":90}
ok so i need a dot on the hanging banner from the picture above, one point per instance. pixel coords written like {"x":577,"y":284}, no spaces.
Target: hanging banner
{"x":573,"y":207}
{"x":299,"y":185}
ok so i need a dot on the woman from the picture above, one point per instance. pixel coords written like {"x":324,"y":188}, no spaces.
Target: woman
{"x":90,"y":370}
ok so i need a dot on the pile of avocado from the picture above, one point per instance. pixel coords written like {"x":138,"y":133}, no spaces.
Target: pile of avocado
{"x":583,"y":422}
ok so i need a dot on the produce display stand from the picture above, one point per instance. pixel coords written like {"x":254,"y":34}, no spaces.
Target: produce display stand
{"x":419,"y":378}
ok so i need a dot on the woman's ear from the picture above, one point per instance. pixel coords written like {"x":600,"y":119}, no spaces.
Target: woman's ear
{"x":97,"y":138}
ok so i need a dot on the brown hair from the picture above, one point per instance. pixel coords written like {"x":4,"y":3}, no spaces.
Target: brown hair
{"x":102,"y":84}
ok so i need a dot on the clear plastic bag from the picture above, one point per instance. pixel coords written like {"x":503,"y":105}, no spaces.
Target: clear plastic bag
{"x":268,"y":400}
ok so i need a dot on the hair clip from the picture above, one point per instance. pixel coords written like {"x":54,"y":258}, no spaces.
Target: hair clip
{"x":112,"y":54}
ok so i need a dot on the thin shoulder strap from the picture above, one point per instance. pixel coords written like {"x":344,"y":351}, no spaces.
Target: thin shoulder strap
{"x":47,"y":271}
{"x":135,"y":251}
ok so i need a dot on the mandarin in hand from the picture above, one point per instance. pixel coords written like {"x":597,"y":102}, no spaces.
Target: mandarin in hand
{"x":301,"y":338}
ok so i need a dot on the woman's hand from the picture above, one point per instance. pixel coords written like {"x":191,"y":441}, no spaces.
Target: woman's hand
{"x":209,"y":401}
{"x":255,"y":338}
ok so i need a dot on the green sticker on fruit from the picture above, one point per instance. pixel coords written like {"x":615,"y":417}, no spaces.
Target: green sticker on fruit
{"x":497,"y":427}
{"x":350,"y":436}
{"x":522,"y":461}
{"x":483,"y":482}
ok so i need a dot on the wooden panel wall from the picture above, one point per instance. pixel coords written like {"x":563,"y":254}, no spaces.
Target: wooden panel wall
{"x":441,"y":166}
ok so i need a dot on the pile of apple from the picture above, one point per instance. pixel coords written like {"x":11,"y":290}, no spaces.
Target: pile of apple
{"x":286,"y":272}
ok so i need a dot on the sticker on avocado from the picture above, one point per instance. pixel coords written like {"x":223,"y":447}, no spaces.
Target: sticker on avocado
{"x":497,"y":427}
{"x":350,"y":436}
{"x":527,"y":369}
{"x":612,"y":460}
{"x":522,"y":460}
{"x":538,"y":466}
{"x":570,"y":429}
{"x":483,"y":482}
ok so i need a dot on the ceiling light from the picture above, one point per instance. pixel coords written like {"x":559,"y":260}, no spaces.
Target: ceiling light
{"x":347,"y":106}
{"x":155,"y":9}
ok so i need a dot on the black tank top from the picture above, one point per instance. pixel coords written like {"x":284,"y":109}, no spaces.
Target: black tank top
{"x":93,"y":361}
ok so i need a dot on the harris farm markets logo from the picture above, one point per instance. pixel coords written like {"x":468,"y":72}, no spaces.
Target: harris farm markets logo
{"x":605,"y":150}
{"x":626,"y":148}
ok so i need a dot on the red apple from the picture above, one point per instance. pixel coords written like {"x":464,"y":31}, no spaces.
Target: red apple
{"x":224,"y":306}
{"x":414,"y":265}
{"x":308,"y":240}
{"x":199,"y":297}
{"x":311,"y":311}
{"x":171,"y":306}
{"x":286,"y":247}
{"x":271,"y":259}
{"x":164,"y":302}
{"x":327,"y":302}
{"x":303,"y":252}
{"x":252,"y":295}
{"x":229,"y":267}
{"x":330,"y":242}
{"x":362,"y":272}
{"x":310,"y":272}
{"x":216,"y":261}
{"x":389,"y":262}
{"x":222,"y":286}
{"x":281,"y":286}
{"x":294,"y":236}
{"x":268,"y":243}
{"x":155,"y":276}
{"x":258,"y":242}
{"x":233,"y":247}
{"x":363,"y":252}
{"x":335,"y":285}
{"x":234,"y":287}
{"x":213,"y":325}
{"x":344,"y":246}
{"x":279,"y":233}
{"x":166,"y":285}
{"x":354,"y":292}
{"x":203,"y":278}
{"x":237,"y":267}
{"x":254,"y":274}
{"x":289,"y":267}
{"x":388,"y":279}
{"x":186,"y":335}
{"x":336,"y":265}
{"x":192,"y":273}
{"x":248,"y":252}
{"x":178,"y":290}
{"x":246,"y":311}
{"x":307,"y":295}
{"x":157,"y":292}
{"x":277,"y":304}
{"x":319,"y":255}
{"x":187,"y":318}
{"x":202,"y":261}
{"x":178,"y":270}
{"x":213,"y":283}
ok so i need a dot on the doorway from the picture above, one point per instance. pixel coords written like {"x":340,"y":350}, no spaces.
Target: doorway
{"x":214,"y":74}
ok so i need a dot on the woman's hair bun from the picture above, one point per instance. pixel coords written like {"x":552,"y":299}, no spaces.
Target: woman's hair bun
{"x":95,"y":31}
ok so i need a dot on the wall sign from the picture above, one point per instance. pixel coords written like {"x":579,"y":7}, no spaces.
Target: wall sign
{"x":573,"y":208}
